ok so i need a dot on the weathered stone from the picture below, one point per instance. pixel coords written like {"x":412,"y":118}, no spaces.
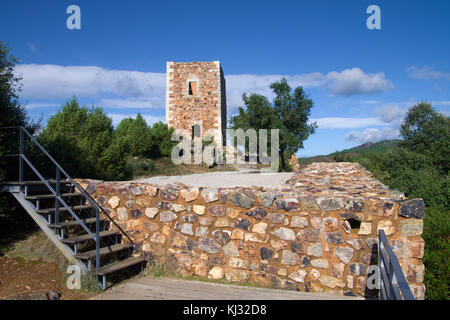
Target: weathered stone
{"x":216,"y":273}
{"x":233,"y":213}
{"x":290,"y":258}
{"x":187,"y":228}
{"x":337,"y":269}
{"x":299,"y":222}
{"x":287,"y":204}
{"x":201,"y":231}
{"x":371,"y":242}
{"x":180,"y":241}
{"x":345,"y":254}
{"x":230,"y":249}
{"x":314,"y":249}
{"x":129,"y":203}
{"x":223,"y":236}
{"x":167,"y":216}
{"x":222,"y":223}
{"x":401,"y":248}
{"x":135,"y":213}
{"x":330,"y":224}
{"x":177,"y":226}
{"x":190,"y":218}
{"x":243,"y":198}
{"x":151,"y":212}
{"x":413,"y":208}
{"x":237,"y":234}
{"x":216,"y":211}
{"x":418,"y":291}
{"x":316,"y":222}
{"x":311,"y":235}
{"x":297,"y":246}
{"x":319,"y":263}
{"x":236,"y":263}
{"x":242,"y":223}
{"x":358,"y":244}
{"x":314,"y":274}
{"x":267,"y":198}
{"x":200,"y":269}
{"x":169,"y":193}
{"x":305,"y":261}
{"x":200,"y":210}
{"x":208,"y":245}
{"x":149,"y":191}
{"x":144,"y":201}
{"x":165,"y":205}
{"x":206,"y":221}
{"x":350,"y":282}
{"x":178,"y":207}
{"x":151,"y":226}
{"x":411,"y":227}
{"x":334,"y":237}
{"x":358,"y":269}
{"x":158,"y":238}
{"x":284,"y":233}
{"x":276,"y":217}
{"x":266,"y":253}
{"x":365,"y":228}
{"x":254,"y":237}
{"x":190,"y":194}
{"x":346,"y":226}
{"x":136,"y":191}
{"x":122,"y":213}
{"x":329,"y":204}
{"x":114,"y":202}
{"x":298,"y":276}
{"x":277,"y":245}
{"x":260,"y":228}
{"x":414,"y":272}
{"x":331,"y":282}
{"x":236,"y":275}
{"x":417,"y":247}
{"x":387,"y":226}
{"x":282,"y":272}
{"x":257,"y":213}
{"x":210,"y":195}
{"x":354,"y":205}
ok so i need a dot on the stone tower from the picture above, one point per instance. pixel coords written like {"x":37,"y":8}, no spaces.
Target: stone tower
{"x":196,"y":100}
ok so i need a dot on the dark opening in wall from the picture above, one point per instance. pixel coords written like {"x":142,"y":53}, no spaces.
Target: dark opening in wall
{"x":192,"y":88}
{"x":355,"y":224}
{"x":195,"y":131}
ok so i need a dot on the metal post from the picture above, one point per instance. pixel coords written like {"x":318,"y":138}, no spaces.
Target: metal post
{"x":57,"y":196}
{"x":20,"y":154}
{"x":97,"y":239}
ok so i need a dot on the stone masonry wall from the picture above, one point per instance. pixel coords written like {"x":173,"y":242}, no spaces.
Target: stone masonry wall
{"x":317,"y":233}
{"x":206,"y":107}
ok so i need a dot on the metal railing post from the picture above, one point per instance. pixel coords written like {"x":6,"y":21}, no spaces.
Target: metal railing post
{"x":58,"y":191}
{"x":97,"y":239}
{"x":20,"y":154}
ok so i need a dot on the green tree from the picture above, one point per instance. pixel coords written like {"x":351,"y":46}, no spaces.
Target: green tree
{"x":135,"y":135}
{"x":289,"y":113}
{"x":427,"y":132}
{"x":161,"y":138}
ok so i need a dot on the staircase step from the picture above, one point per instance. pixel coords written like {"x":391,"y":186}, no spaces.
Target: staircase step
{"x":103,"y":251}
{"x":52,"y":196}
{"x":34,"y":182}
{"x":74,"y":223}
{"x":86,"y":237}
{"x":63,"y":209}
{"x":119,"y":265}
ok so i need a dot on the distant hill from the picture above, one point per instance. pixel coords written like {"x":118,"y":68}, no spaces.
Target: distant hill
{"x":354,"y":153}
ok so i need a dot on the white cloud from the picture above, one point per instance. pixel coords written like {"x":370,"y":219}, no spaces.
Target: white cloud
{"x":135,"y":89}
{"x":40,"y":105}
{"x":354,"y":81}
{"x":347,"y":123}
{"x":425,"y":73}
{"x":373,"y":135}
{"x":117,"y":117}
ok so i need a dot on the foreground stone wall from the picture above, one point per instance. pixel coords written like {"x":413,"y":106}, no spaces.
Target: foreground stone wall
{"x":317,"y":233}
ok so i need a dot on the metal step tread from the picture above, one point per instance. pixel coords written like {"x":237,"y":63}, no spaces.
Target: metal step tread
{"x":52,"y":196}
{"x":86,"y":236}
{"x":74,"y":223}
{"x":62,"y":208}
{"x":119,"y":265}
{"x":34,"y":182}
{"x":103,"y":251}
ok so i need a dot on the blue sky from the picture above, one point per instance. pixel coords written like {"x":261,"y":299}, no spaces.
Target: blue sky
{"x":361,"y":81}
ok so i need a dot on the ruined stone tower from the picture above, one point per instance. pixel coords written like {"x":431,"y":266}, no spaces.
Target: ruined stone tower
{"x":196,"y":100}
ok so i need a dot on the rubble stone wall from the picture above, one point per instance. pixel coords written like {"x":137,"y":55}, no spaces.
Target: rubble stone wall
{"x":316,"y":233}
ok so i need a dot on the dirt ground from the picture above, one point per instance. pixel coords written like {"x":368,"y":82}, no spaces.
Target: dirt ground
{"x":19,"y":276}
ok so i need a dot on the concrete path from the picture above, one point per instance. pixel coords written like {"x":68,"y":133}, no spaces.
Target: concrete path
{"x":227,"y":179}
{"x":149,"y":288}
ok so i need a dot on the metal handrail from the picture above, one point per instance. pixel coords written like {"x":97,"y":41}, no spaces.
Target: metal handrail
{"x":393,"y":284}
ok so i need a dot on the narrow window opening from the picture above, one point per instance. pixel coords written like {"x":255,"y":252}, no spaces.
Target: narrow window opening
{"x":195,"y":131}
{"x":192,"y":88}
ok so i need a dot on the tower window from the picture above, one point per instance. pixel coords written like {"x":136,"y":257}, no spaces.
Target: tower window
{"x":192,"y":88}
{"x":195,"y":131}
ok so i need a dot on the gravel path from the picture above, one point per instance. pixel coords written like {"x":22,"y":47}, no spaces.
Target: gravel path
{"x":224,"y":179}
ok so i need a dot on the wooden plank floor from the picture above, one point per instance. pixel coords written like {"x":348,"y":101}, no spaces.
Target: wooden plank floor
{"x":149,"y":288}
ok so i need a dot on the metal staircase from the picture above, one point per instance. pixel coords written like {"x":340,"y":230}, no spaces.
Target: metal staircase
{"x":78,"y":226}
